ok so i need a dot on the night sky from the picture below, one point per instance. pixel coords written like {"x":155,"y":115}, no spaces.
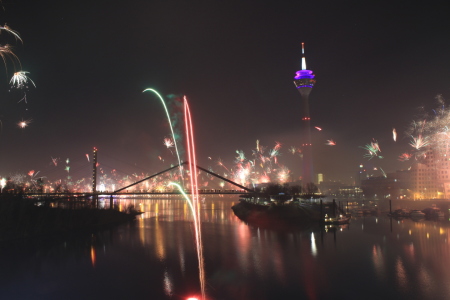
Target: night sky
{"x":376,"y":64}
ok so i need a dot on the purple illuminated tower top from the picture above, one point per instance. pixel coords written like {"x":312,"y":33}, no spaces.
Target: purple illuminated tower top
{"x":304,"y":81}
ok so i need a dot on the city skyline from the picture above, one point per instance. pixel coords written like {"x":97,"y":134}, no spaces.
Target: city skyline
{"x":235,"y":64}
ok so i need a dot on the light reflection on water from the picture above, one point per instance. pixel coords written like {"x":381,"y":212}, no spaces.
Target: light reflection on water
{"x":155,"y":257}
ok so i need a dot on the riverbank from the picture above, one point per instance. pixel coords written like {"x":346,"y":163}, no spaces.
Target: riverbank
{"x":22,"y":218}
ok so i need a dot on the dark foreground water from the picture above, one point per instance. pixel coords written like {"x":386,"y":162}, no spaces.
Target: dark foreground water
{"x":155,"y":258}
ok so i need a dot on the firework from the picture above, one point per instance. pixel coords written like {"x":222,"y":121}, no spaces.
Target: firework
{"x":318,"y":128}
{"x":283,"y":174}
{"x":419,"y":142}
{"x":24,"y":123}
{"x":330,"y":143}
{"x":55,"y":161}
{"x":6,"y":51}
{"x":394,"y":134}
{"x":277,"y":146}
{"x":431,"y":131}
{"x":293,"y":150}
{"x":168,"y":142}
{"x":275,"y":152}
{"x":194,"y":191}
{"x":373,"y":150}
{"x":220,"y":163}
{"x":20,"y":80}
{"x":404,"y":157}
{"x":9,"y":30}
{"x":170,"y":124}
{"x":384,"y":173}
{"x":241,"y":156}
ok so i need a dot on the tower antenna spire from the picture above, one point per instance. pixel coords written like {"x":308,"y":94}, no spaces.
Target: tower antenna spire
{"x":303,"y":57}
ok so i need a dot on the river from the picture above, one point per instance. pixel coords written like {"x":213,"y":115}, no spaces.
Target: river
{"x":154,"y":257}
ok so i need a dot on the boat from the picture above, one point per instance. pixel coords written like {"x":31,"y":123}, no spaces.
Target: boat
{"x":357,"y":211}
{"x":336,"y":220}
{"x":433,"y":212}
{"x":264,"y":211}
{"x":281,"y":198}
{"x":400,"y":213}
{"x":417,"y":214}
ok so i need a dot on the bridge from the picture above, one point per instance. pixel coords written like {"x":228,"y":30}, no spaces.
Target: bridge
{"x":240,"y":189}
{"x":243,"y":188}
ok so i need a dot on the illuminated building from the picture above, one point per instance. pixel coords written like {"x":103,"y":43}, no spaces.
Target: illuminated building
{"x":394,"y":186}
{"x":319,"y":178}
{"x":304,"y":82}
{"x":430,"y":176}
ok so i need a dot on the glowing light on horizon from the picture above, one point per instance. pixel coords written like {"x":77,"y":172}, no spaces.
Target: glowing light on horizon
{"x":313,"y":245}
{"x":93,"y":256}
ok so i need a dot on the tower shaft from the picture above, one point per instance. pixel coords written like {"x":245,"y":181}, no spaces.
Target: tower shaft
{"x":304,"y":82}
{"x":306,"y":143}
{"x":94,"y":171}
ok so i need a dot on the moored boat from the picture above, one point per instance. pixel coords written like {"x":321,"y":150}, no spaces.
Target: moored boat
{"x":400,"y":213}
{"x":416,"y":214}
{"x":433,"y":212}
{"x":336,"y":220}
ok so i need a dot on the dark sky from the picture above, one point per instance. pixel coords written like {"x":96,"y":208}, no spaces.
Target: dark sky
{"x":376,"y":63}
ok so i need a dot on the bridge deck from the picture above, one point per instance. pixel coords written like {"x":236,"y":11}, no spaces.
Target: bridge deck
{"x":129,"y":194}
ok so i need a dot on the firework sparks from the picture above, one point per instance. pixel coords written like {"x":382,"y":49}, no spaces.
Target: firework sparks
{"x":24,"y":123}
{"x":373,"y":150}
{"x":20,"y":80}
{"x":419,"y":142}
{"x":293,"y":150}
{"x":274,"y":153}
{"x":168,"y":142}
{"x":384,"y":173}
{"x":171,"y":127}
{"x":5,"y":52}
{"x":318,"y":128}
{"x":330,"y":143}
{"x":277,"y":146}
{"x":241,"y":156}
{"x":9,"y":30}
{"x":283,"y":174}
{"x":394,"y":134}
{"x":404,"y":157}
{"x":220,"y":163}
{"x":194,"y":192}
{"x":55,"y":161}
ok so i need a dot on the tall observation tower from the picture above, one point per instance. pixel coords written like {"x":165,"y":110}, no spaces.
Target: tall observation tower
{"x":304,"y":81}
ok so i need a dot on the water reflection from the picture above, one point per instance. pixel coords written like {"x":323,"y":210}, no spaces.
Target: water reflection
{"x":155,"y":256}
